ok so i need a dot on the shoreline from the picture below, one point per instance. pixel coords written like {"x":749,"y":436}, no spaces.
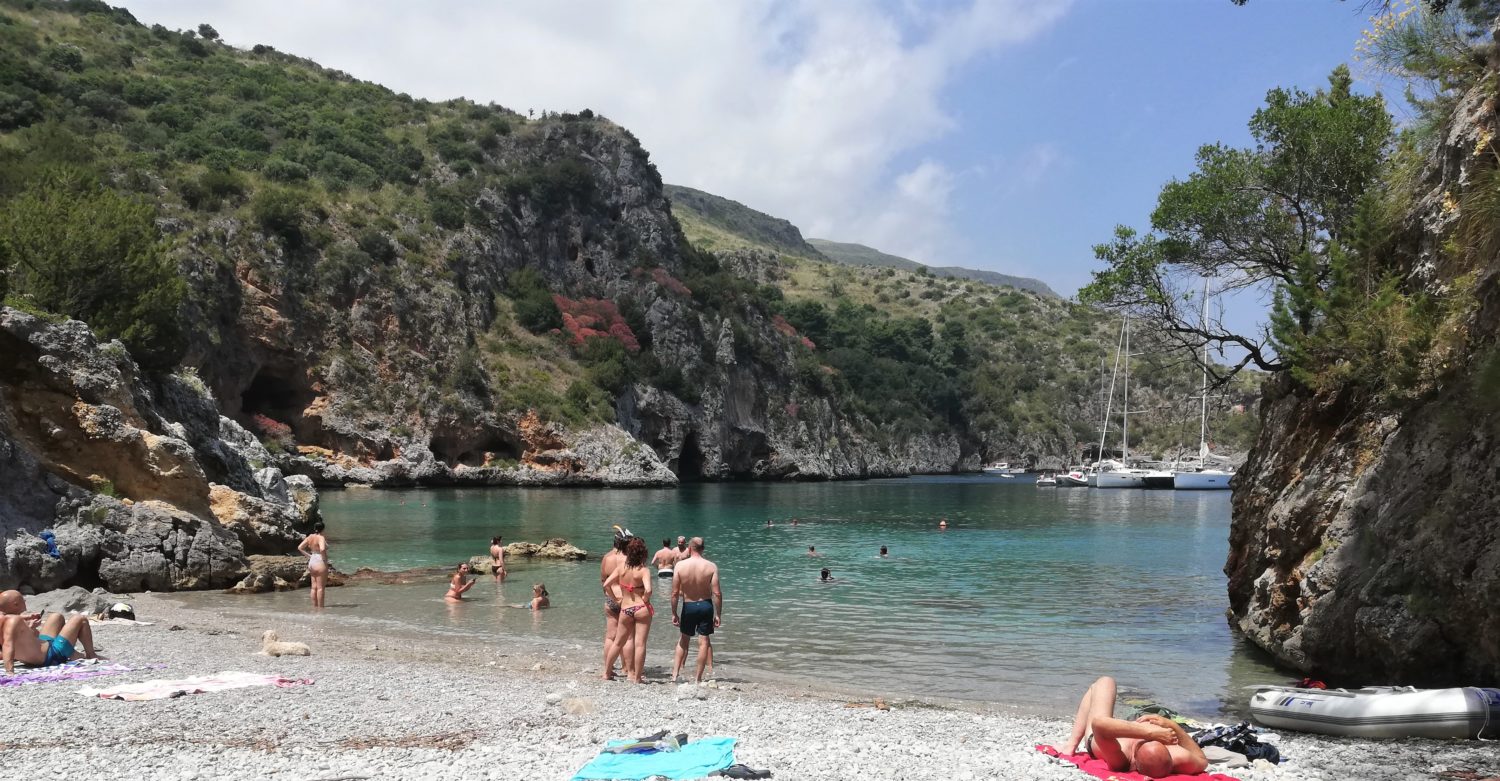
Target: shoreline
{"x":386,"y":706}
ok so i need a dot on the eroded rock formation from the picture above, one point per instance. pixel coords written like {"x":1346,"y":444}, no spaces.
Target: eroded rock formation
{"x":142,"y":483}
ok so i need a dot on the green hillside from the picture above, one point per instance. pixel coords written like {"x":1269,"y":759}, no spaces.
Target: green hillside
{"x":362,"y":274}
{"x":860,"y":255}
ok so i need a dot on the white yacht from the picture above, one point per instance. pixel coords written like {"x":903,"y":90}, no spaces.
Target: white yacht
{"x":1004,"y":468}
{"x":1118,"y":474}
{"x":1047,"y":480}
{"x":1202,"y":478}
{"x":1073,"y":478}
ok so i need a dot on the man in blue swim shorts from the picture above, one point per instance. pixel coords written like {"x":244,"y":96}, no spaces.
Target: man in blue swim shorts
{"x":696,"y":583}
{"x":40,"y":642}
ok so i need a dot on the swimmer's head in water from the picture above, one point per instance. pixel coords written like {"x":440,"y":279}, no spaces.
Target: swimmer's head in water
{"x":539,"y":589}
{"x":826,"y":574}
{"x":811,"y":549}
{"x":882,"y":550}
{"x":1152,"y":759}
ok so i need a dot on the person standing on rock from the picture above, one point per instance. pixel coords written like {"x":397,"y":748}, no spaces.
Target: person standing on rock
{"x":696,"y":583}
{"x":665,"y":559}
{"x":315,"y":547}
{"x":607,"y":567}
{"x":497,"y":559}
{"x":634,"y":579}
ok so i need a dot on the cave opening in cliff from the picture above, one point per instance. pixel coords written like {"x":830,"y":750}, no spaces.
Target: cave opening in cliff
{"x":280,"y":397}
{"x":474,"y":449}
{"x":690,"y":459}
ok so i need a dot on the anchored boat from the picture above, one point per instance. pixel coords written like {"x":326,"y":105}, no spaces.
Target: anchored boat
{"x":1381,"y":711}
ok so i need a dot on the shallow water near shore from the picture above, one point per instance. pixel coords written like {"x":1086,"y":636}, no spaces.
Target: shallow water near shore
{"x":1029,"y":594}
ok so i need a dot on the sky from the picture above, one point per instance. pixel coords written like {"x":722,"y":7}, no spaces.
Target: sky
{"x":1009,"y":135}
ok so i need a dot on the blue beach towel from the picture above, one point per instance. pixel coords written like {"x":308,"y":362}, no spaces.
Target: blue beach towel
{"x":696,"y":760}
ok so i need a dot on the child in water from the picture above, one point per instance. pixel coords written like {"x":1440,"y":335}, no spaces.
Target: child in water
{"x":539,"y":598}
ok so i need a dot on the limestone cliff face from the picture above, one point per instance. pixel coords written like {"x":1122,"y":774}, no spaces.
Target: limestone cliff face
{"x":368,"y":370}
{"x":1365,"y":545}
{"x":143,"y":484}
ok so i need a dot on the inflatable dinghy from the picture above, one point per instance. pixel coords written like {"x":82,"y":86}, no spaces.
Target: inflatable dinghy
{"x":1381,"y":711}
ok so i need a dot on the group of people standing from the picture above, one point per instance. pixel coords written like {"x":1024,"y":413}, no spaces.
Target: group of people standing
{"x":696,"y":599}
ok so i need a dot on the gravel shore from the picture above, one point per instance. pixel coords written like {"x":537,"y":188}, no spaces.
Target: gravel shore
{"x":387,"y":707}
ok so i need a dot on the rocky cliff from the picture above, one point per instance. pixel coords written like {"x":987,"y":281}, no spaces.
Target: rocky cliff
{"x":141,"y":483}
{"x":1365,"y":546}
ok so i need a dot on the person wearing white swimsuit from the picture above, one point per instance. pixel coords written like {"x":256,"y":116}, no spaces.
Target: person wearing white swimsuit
{"x":315,"y":547}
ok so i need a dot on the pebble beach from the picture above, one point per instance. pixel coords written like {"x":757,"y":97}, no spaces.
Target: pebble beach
{"x":385,"y":707}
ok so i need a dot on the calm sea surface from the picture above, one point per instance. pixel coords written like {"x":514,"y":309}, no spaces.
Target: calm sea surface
{"x":1029,"y":594}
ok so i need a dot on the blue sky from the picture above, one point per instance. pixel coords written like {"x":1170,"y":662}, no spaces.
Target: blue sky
{"x":1110,"y":103}
{"x":1002,"y":134}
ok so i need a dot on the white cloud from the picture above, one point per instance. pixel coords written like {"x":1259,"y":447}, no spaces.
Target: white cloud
{"x":801,"y":108}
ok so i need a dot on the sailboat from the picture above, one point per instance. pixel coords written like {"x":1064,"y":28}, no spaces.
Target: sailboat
{"x":1203,"y":478}
{"x":1118,"y":474}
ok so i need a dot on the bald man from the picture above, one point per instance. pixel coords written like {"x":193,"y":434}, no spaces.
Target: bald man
{"x":1151,"y":745}
{"x":38,"y":642}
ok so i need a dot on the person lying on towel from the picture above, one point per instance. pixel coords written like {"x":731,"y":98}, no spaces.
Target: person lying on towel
{"x":1152,"y":745}
{"x":40,"y":641}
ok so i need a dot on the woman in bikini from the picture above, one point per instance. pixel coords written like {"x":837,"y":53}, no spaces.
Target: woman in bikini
{"x":634,"y":579}
{"x":497,"y":559}
{"x":315,"y":547}
{"x":458,"y":584}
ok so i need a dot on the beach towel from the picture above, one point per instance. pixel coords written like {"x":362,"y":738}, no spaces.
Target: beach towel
{"x":77,"y":670}
{"x":161,"y":690}
{"x":695,"y":760}
{"x":1098,"y":769}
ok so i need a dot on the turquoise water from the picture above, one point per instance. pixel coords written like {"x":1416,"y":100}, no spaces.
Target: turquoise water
{"x":1029,"y":594}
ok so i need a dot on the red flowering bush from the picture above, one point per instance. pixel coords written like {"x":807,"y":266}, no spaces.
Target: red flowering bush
{"x":787,"y":329}
{"x":590,"y":318}
{"x":272,"y":431}
{"x":664,"y":279}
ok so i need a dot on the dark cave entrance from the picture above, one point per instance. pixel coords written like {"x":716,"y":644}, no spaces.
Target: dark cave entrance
{"x":690,"y":459}
{"x":473,"y":449}
{"x":281,"y":397}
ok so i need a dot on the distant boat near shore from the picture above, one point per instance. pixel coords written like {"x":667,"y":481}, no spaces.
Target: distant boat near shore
{"x":1047,"y":480}
{"x":1074,"y":478}
{"x":1004,"y":469}
{"x":1202,"y":478}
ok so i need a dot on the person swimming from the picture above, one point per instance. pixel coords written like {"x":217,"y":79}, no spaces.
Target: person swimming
{"x":883,"y":552}
{"x":540,"y":599}
{"x":812,"y":551}
{"x":943,"y":523}
{"x":458,"y":584}
{"x":826,"y":576}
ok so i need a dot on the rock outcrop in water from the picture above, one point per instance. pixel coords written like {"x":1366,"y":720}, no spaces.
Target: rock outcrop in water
{"x":1365,"y":544}
{"x":142,"y":484}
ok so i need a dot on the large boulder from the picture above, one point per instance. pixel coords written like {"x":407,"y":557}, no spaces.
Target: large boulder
{"x":121,"y":481}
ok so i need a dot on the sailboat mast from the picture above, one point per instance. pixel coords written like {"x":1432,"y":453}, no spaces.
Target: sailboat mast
{"x":1110,"y":400}
{"x":1125,"y":403}
{"x":1203,"y":393}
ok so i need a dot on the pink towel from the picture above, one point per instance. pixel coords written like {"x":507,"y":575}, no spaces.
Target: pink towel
{"x":161,"y":690}
{"x":70,"y":671}
{"x":1097,"y":769}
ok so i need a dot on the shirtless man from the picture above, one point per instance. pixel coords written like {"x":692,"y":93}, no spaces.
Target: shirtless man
{"x":696,"y":583}
{"x":38,"y":642}
{"x":1152,"y":745}
{"x":612,"y":594}
{"x":497,"y":559}
{"x":665,"y":559}
{"x":682,"y":548}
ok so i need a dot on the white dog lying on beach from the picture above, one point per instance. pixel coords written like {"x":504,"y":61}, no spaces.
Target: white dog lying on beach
{"x":270,"y":646}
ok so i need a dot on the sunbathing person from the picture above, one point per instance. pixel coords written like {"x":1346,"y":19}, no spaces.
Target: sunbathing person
{"x":1152,"y":745}
{"x":40,"y":642}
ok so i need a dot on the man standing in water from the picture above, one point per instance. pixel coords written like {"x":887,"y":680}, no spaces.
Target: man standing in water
{"x":682,"y":548}
{"x":665,"y":559}
{"x":696,"y":583}
{"x":607,"y":567}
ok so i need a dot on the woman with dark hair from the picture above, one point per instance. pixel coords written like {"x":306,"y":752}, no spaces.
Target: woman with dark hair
{"x":634,"y":580}
{"x":497,"y":559}
{"x":458,"y":584}
{"x":315,"y":547}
